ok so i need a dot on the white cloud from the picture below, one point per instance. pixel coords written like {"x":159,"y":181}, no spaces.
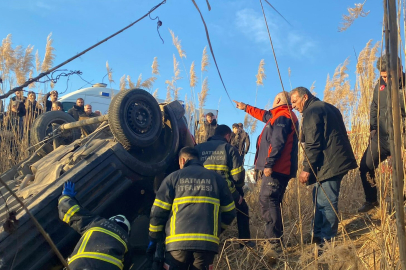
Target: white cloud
{"x":286,"y":41}
{"x":43,"y":5}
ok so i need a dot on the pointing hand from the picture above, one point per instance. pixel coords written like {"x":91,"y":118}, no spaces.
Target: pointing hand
{"x":240,"y":105}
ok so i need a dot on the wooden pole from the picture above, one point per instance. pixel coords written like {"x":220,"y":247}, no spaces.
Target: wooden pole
{"x":394,"y":122}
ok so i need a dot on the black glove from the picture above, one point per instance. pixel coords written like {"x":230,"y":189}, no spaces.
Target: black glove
{"x":151,"y":249}
{"x":240,"y":190}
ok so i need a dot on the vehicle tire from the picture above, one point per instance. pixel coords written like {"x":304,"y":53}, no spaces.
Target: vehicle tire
{"x":42,"y":126}
{"x":156,"y":158}
{"x":135,"y":118}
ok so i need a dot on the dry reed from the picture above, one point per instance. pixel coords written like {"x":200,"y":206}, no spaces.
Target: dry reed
{"x":37,"y":62}
{"x":177,"y":44}
{"x":193,"y":77}
{"x":205,"y":60}
{"x":155,"y":66}
{"x":155,"y":94}
{"x":109,"y":73}
{"x":49,"y":55}
{"x":123,"y":83}
{"x":353,"y":14}
{"x":131,"y":84}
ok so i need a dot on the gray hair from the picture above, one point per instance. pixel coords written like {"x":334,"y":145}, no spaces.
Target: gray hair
{"x":301,"y":91}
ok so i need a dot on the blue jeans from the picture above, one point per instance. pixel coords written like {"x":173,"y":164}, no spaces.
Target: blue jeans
{"x":325,"y":222}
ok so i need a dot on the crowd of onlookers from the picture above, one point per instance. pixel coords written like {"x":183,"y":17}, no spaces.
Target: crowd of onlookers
{"x":23,"y":110}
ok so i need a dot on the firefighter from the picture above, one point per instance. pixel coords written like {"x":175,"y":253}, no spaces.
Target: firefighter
{"x":103,"y":243}
{"x":217,"y":154}
{"x":276,"y":157}
{"x":192,"y":207}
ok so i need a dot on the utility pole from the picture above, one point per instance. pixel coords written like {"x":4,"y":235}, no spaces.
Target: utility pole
{"x":394,"y":122}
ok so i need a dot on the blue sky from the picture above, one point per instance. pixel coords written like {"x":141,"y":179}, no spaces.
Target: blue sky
{"x":312,"y":47}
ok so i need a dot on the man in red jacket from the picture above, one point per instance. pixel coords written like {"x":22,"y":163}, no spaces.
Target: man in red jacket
{"x":277,"y":150}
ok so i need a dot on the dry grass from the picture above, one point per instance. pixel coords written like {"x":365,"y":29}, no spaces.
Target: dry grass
{"x":193,"y":77}
{"x":261,"y":76}
{"x":131,"y":84}
{"x":177,"y":44}
{"x":172,"y":88}
{"x":16,"y":64}
{"x":155,"y":94}
{"x":109,"y":73}
{"x":123,"y":83}
{"x":49,"y":55}
{"x":353,"y":14}
{"x":155,"y":66}
{"x":205,"y":60}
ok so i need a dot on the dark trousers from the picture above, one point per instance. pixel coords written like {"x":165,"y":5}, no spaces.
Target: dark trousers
{"x":325,"y":222}
{"x":189,"y":260}
{"x":270,"y":198}
{"x":243,"y":220}
{"x":369,"y":161}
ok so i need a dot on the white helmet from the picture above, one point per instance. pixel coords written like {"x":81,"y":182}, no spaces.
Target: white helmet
{"x":121,"y":219}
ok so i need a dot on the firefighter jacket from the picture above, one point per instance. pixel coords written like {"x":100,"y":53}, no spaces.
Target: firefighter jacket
{"x":219,"y":156}
{"x":277,"y":146}
{"x":103,"y":243}
{"x":192,"y":205}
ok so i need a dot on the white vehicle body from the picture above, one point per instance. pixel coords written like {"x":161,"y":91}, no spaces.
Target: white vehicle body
{"x":99,"y":96}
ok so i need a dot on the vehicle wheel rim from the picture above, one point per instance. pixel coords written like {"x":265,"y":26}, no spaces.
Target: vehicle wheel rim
{"x":139,"y":117}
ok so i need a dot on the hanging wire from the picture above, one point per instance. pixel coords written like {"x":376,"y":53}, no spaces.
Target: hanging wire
{"x":159,"y":23}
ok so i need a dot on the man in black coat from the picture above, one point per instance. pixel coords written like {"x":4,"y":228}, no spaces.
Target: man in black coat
{"x":207,"y":128}
{"x":370,"y":160}
{"x":77,"y":110}
{"x":329,"y":156}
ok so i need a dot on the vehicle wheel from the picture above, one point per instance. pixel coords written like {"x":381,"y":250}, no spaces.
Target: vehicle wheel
{"x":156,"y":158}
{"x":135,"y":118}
{"x":44,"y":124}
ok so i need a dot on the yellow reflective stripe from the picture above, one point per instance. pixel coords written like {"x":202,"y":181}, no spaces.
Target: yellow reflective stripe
{"x":63,"y":197}
{"x":70,"y":213}
{"x":192,"y":237}
{"x":224,"y":226}
{"x":162,"y":204}
{"x":216,"y":219}
{"x":237,"y":170}
{"x":228,"y":208}
{"x":173,"y":219}
{"x":230,"y":185}
{"x":84,"y":242}
{"x":196,"y":199}
{"x":153,"y":228}
{"x":217,"y":167}
{"x":98,"y":229}
{"x":98,"y":256}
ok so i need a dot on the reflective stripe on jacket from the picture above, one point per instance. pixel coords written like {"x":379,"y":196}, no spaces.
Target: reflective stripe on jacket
{"x":103,"y":243}
{"x":192,"y":205}
{"x":223,"y":158}
{"x":277,"y":146}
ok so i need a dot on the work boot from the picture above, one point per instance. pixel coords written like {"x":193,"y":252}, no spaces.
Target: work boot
{"x":368,"y":206}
